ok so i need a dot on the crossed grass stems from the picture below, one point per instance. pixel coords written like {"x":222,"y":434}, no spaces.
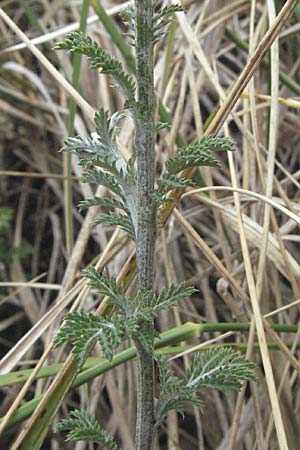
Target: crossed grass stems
{"x":165,"y":184}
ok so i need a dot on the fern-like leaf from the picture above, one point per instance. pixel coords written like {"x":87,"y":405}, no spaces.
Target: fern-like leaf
{"x":118,"y":220}
{"x":108,"y":286}
{"x":168,"y":182}
{"x":219,"y":143}
{"x":103,"y":162}
{"x":108,"y":127}
{"x":87,"y":329}
{"x":145,"y":306}
{"x":173,"y":392}
{"x":102,"y":201}
{"x":85,"y":427}
{"x":159,"y":199}
{"x":223,"y":369}
{"x":78,"y":42}
{"x":161,"y":20}
{"x":168,"y":298}
{"x":199,"y":154}
{"x":128,"y":18}
{"x":92,"y":154}
{"x":103,"y":141}
{"x":103,"y":179}
{"x":83,"y":148}
{"x":124,"y":189}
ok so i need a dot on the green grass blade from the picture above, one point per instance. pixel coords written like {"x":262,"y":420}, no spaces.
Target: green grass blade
{"x":67,"y":157}
{"x":97,"y":366}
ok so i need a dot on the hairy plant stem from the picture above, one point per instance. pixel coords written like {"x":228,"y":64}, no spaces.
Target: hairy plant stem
{"x":146,"y":233}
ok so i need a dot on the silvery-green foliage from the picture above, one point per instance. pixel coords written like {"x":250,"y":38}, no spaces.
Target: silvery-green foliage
{"x":162,"y":18}
{"x":84,"y":330}
{"x":173,"y":392}
{"x":105,"y":284}
{"x":133,"y":316}
{"x":160,"y":21}
{"x":170,"y":296}
{"x":103,"y":179}
{"x":108,"y":128}
{"x":85,"y":427}
{"x":128,"y":16}
{"x":87,"y":329}
{"x":102,"y":143}
{"x":115,"y":219}
{"x":199,"y":153}
{"x":108,"y":286}
{"x":104,"y":165}
{"x":224,"y":369}
{"x":101,"y":149}
{"x":79,"y":42}
{"x":169,"y":181}
{"x":102,"y":201}
{"x":136,"y":307}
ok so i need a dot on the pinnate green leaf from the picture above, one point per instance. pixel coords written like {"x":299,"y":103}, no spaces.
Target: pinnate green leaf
{"x":108,"y":127}
{"x":107,"y":286}
{"x":85,"y":427}
{"x":116,"y":219}
{"x":79,"y":42}
{"x":169,"y":297}
{"x":199,"y":153}
{"x":102,"y":201}
{"x":85,"y":329}
{"x":169,"y":181}
{"x":224,"y":369}
{"x":101,"y":149}
{"x":128,"y":17}
{"x":103,"y":179}
{"x":173,"y":391}
{"x":162,"y":18}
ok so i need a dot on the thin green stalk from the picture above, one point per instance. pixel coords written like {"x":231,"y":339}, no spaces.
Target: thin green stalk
{"x":67,"y":157}
{"x":145,"y":145}
{"x":175,"y":335}
{"x":94,"y":362}
{"x":146,"y":233}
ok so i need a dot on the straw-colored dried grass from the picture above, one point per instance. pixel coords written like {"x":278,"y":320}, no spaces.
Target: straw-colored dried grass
{"x":241,"y":252}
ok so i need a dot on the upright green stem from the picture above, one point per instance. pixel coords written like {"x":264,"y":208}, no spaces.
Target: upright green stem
{"x":146,"y":233}
{"x":145,"y":141}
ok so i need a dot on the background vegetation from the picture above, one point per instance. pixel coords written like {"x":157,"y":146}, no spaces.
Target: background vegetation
{"x":234,"y":263}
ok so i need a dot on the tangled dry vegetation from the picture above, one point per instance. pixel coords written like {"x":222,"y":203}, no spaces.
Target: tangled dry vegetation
{"x":237,"y":243}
